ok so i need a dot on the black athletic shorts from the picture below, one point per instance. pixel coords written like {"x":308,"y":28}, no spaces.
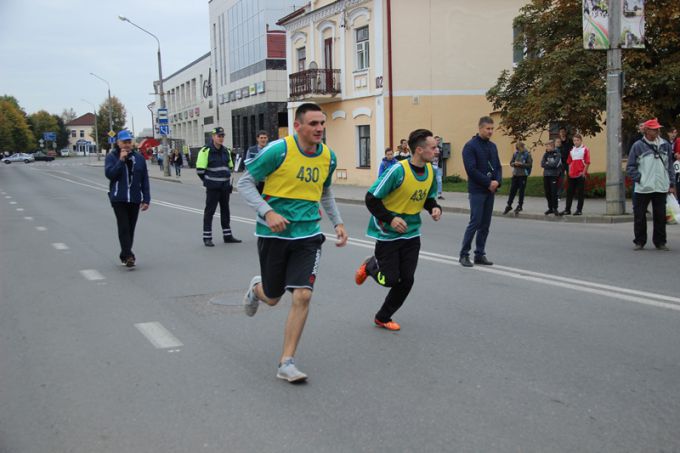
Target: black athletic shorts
{"x":288,"y":264}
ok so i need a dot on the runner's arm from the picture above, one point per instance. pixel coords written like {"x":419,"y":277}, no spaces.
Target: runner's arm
{"x":247,"y":188}
{"x":331,"y":208}
{"x":378,"y":209}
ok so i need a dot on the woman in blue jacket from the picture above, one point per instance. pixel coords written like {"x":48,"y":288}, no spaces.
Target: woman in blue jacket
{"x":128,"y":191}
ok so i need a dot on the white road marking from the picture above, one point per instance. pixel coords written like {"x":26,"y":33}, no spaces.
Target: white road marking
{"x":12,"y":202}
{"x":621,"y":293}
{"x":28,"y":218}
{"x":20,"y":209}
{"x":8,"y":197}
{"x":158,"y":336}
{"x":92,"y":274}
{"x":41,"y":228}
{"x":60,"y":246}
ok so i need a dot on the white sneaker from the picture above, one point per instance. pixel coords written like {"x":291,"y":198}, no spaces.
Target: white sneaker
{"x":250,"y":300}
{"x":289,"y":372}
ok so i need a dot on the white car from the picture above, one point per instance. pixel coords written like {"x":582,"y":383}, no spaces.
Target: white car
{"x":19,"y":157}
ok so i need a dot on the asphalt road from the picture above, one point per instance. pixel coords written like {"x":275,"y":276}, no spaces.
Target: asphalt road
{"x":570,"y":343}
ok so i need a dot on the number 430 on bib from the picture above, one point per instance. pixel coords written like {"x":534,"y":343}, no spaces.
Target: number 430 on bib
{"x":308,"y":174}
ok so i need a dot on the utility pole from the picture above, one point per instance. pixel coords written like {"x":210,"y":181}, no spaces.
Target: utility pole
{"x":110,"y":109}
{"x":164,"y":137}
{"x":615,"y":198}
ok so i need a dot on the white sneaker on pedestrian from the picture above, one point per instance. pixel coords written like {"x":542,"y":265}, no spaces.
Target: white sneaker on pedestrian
{"x":289,"y":372}
{"x":250,"y":300}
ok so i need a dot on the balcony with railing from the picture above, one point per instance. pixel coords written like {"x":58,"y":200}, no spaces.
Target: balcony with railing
{"x":318,"y":85}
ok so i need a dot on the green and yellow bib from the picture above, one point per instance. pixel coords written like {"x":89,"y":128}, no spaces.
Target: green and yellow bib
{"x":299,"y":176}
{"x":410,"y":196}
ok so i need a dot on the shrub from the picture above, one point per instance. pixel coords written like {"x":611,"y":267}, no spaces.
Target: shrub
{"x":453,"y":179}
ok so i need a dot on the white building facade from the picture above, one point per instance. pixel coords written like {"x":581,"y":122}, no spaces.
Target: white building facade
{"x":249,"y":68}
{"x":190,"y":103}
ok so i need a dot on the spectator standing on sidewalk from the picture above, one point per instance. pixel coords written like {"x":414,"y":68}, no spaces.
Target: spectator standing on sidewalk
{"x":521,"y":163}
{"x":387,"y":161}
{"x":402,"y":150}
{"x":177,"y":162}
{"x":552,"y":169}
{"x":262,"y":140}
{"x":578,"y":163}
{"x":438,"y":165}
{"x":650,"y":167}
{"x":483,"y":168}
{"x":564,"y":146}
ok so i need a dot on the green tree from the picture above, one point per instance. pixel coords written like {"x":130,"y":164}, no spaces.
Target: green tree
{"x":118,"y":114}
{"x":559,"y":81}
{"x":15,"y":133}
{"x":41,"y":122}
{"x":62,"y":132}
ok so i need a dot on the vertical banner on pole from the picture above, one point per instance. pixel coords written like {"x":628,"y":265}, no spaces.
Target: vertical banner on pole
{"x":596,"y":26}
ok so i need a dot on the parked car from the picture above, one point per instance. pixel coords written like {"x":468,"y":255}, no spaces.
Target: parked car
{"x":40,"y":155}
{"x":18,"y":157}
{"x":64,"y":152}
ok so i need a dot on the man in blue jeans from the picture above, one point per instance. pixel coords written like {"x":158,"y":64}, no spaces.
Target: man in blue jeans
{"x":483,"y":168}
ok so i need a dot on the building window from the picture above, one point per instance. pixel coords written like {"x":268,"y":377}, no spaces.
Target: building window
{"x":364,"y":138}
{"x":301,"y":58}
{"x":518,"y":45}
{"x":73,"y":133}
{"x":362,"y":47}
{"x":82,"y":133}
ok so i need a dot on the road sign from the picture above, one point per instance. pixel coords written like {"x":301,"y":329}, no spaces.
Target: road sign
{"x":162,"y":116}
{"x":112,"y":140}
{"x":164,"y":129}
{"x":111,"y":134}
{"x":50,"y":136}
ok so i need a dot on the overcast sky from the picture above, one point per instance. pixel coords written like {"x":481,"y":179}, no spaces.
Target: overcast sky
{"x":48,"y":49}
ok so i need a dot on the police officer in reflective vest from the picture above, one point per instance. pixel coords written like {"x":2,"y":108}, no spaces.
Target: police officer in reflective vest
{"x":213,"y":166}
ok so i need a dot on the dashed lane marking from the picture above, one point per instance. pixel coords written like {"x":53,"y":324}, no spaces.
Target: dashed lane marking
{"x":28,"y":218}
{"x":41,"y":228}
{"x":158,"y":336}
{"x":60,"y":246}
{"x":92,"y":274}
{"x":20,"y":209}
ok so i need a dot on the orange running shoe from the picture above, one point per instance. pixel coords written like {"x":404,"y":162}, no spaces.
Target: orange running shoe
{"x":389,"y":325}
{"x":361,"y":275}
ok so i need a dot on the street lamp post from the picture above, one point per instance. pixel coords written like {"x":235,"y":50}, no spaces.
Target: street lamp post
{"x":96,"y":132}
{"x":110,"y":109}
{"x":164,"y":137}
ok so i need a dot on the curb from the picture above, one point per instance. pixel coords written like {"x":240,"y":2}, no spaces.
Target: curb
{"x":601,"y":219}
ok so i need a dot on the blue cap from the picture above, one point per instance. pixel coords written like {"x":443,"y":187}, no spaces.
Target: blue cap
{"x":125,"y":135}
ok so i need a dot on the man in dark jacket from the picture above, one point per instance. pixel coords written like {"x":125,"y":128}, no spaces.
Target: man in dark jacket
{"x":483,"y":168}
{"x":213,"y":166}
{"x":128,"y":191}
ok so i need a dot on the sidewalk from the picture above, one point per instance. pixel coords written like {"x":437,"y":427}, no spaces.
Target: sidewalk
{"x":534,"y":207}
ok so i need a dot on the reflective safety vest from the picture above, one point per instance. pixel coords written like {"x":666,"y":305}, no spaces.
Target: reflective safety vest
{"x":410,"y":196}
{"x":299,"y":176}
{"x":213,"y":167}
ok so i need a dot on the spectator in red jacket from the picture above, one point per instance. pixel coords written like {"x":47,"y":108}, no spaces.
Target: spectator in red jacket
{"x":578,"y":162}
